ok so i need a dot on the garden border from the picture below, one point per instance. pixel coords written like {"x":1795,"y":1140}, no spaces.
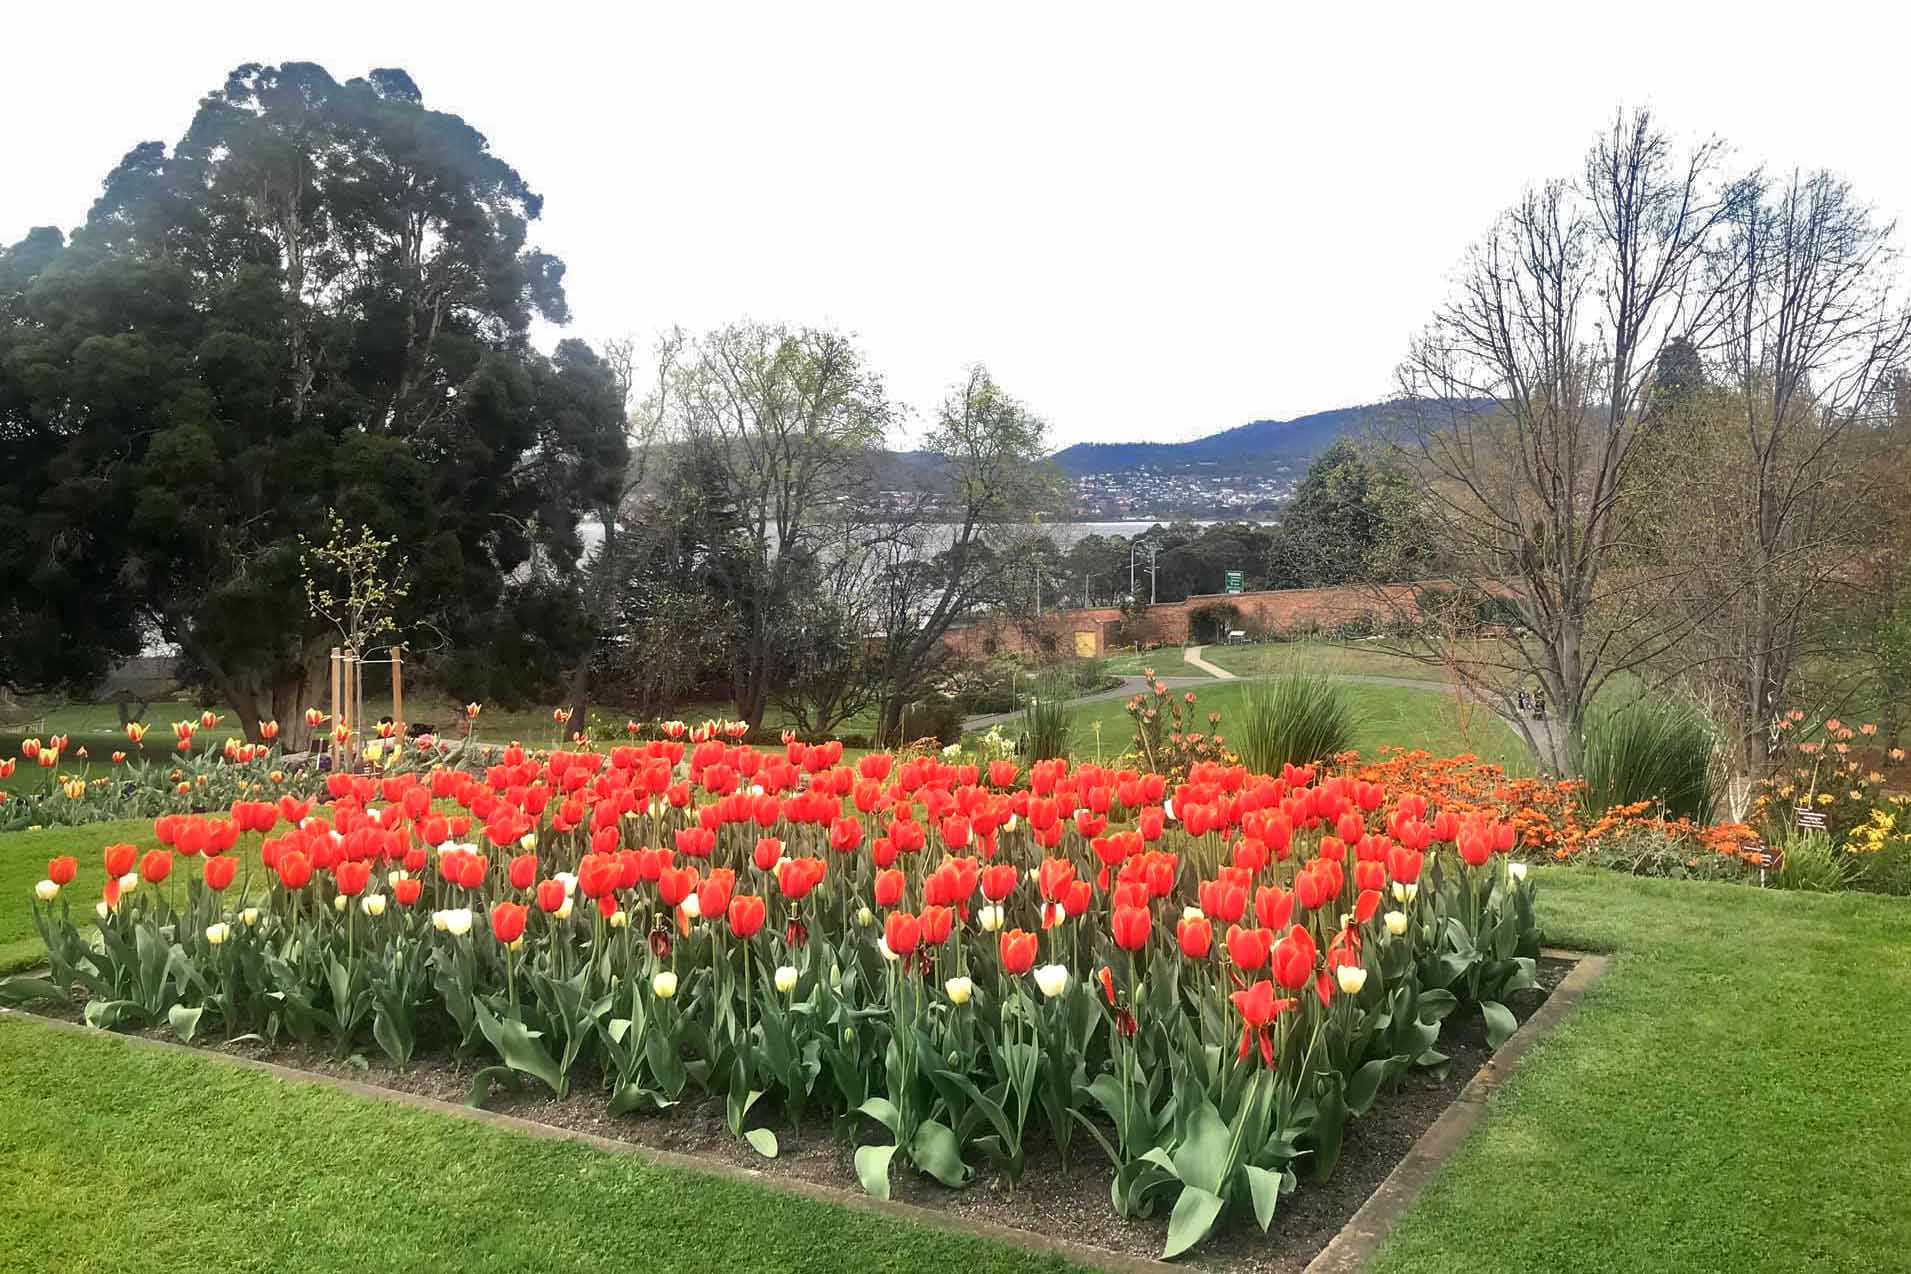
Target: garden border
{"x":1357,"y":1242}
{"x":1349,"y":1250}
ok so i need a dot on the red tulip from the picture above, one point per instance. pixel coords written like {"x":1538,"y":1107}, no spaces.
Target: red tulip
{"x":351,"y":877}
{"x":120,"y":859}
{"x":902,"y":932}
{"x":998,"y":881}
{"x":937,"y":923}
{"x":155,"y":866}
{"x":1273,"y":906}
{"x":61,"y":870}
{"x":1196,"y":935}
{"x":407,"y":890}
{"x":713,"y":896}
{"x":674,"y":884}
{"x":295,"y":869}
{"x":1017,"y":948}
{"x":1131,"y":927}
{"x":889,"y":887}
{"x":523,"y":871}
{"x":1257,"y":1007}
{"x":1294,"y":959}
{"x":746,"y":915}
{"x":1223,"y":901}
{"x":1248,"y":948}
{"x":507,"y":921}
{"x":219,"y":872}
{"x":550,"y":896}
{"x":1365,"y":905}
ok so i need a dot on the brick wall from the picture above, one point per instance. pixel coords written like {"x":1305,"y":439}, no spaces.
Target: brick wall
{"x":1262,"y":613}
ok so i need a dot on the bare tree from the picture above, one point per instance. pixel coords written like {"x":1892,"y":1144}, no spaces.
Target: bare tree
{"x":1524,"y":401}
{"x":1808,"y":364}
{"x":789,"y":417}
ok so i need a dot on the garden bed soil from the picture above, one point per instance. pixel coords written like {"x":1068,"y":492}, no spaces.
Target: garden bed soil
{"x":1069,"y":1204}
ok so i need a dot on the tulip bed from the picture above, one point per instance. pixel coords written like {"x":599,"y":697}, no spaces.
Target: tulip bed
{"x":1202,"y":980}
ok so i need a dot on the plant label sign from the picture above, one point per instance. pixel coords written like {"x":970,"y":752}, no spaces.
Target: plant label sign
{"x":1237,"y":582}
{"x":1809,"y":819}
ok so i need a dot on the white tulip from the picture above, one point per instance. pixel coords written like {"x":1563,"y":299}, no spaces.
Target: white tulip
{"x":568,"y":879}
{"x":46,"y":891}
{"x":372,"y":904}
{"x":101,"y":910}
{"x":1167,"y":809}
{"x":692,"y":906}
{"x":458,"y":921}
{"x":786,"y":978}
{"x":1517,"y":870}
{"x":129,"y":882}
{"x":528,"y":841}
{"x":990,"y":918}
{"x":959,"y":990}
{"x":249,"y":917}
{"x":619,"y":918}
{"x":865,"y":917}
{"x":1052,"y":979}
{"x":339,"y":903}
{"x":882,"y":945}
{"x":564,"y":912}
{"x":664,"y":985}
{"x":1351,"y":978}
{"x":1192,"y":913}
{"x":1404,"y":892}
{"x":438,"y":921}
{"x":217,"y":934}
{"x":393,"y":877}
{"x":1396,"y":922}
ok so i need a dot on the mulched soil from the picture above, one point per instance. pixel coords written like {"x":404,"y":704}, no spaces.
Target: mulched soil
{"x":1069,"y":1204}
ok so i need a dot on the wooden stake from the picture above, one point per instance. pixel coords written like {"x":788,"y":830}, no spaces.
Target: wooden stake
{"x":351,"y":709}
{"x":332,"y":718}
{"x":398,"y":692}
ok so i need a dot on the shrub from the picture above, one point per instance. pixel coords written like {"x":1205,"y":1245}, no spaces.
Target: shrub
{"x":1664,"y":752}
{"x":1812,"y":863}
{"x":1295,"y":720}
{"x":1046,"y":725}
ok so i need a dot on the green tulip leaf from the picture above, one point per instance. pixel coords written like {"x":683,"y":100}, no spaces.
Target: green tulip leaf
{"x":762,"y":1140}
{"x":935,"y":1150}
{"x":185,"y":1021}
{"x":1265,"y":1186}
{"x":1500,"y":1022}
{"x":1191,"y":1221}
{"x":872,"y":1169}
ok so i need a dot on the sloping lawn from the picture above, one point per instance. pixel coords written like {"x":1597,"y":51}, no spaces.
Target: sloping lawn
{"x":1732,"y":1096}
{"x":1387,"y":715}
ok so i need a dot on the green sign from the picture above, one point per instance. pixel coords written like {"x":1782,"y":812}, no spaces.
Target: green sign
{"x":1235,"y":582}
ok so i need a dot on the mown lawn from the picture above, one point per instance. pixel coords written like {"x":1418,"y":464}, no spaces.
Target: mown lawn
{"x":1387,"y":716}
{"x":1732,"y":1096}
{"x":23,"y":859}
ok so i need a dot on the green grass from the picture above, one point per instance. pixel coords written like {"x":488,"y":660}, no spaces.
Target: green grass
{"x":1732,"y":1096}
{"x":119,"y":1158}
{"x":1387,"y":715}
{"x":23,"y":858}
{"x":1166,"y":662}
{"x":1341,"y":658}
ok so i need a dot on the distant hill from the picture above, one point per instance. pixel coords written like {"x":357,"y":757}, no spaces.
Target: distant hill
{"x":1297,"y":439}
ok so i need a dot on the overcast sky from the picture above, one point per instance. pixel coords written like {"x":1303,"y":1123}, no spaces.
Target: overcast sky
{"x":1150,"y":222}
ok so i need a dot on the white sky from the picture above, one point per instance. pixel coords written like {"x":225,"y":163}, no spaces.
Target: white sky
{"x":1151,"y":222}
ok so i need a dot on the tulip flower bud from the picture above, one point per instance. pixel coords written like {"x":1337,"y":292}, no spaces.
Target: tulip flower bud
{"x":1396,"y":922}
{"x":1517,"y":870}
{"x":619,"y":918}
{"x":372,"y":904}
{"x":865,"y":917}
{"x":249,"y":917}
{"x":1052,"y":979}
{"x":393,"y":877}
{"x":691,"y":906}
{"x":564,"y":912}
{"x":959,"y":990}
{"x":1404,"y":891}
{"x":458,"y":921}
{"x":101,"y":910}
{"x":990,"y":918}
{"x":664,"y":985}
{"x":1351,"y":978}
{"x":129,"y":882}
{"x":1193,"y":913}
{"x":338,"y":903}
{"x":216,"y":934}
{"x":46,"y":891}
{"x":786,"y":978}
{"x":528,"y":841}
{"x":439,"y":922}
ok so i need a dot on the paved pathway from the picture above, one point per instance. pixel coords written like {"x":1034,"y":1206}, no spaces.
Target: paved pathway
{"x":1543,"y":734}
{"x":1193,"y":655}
